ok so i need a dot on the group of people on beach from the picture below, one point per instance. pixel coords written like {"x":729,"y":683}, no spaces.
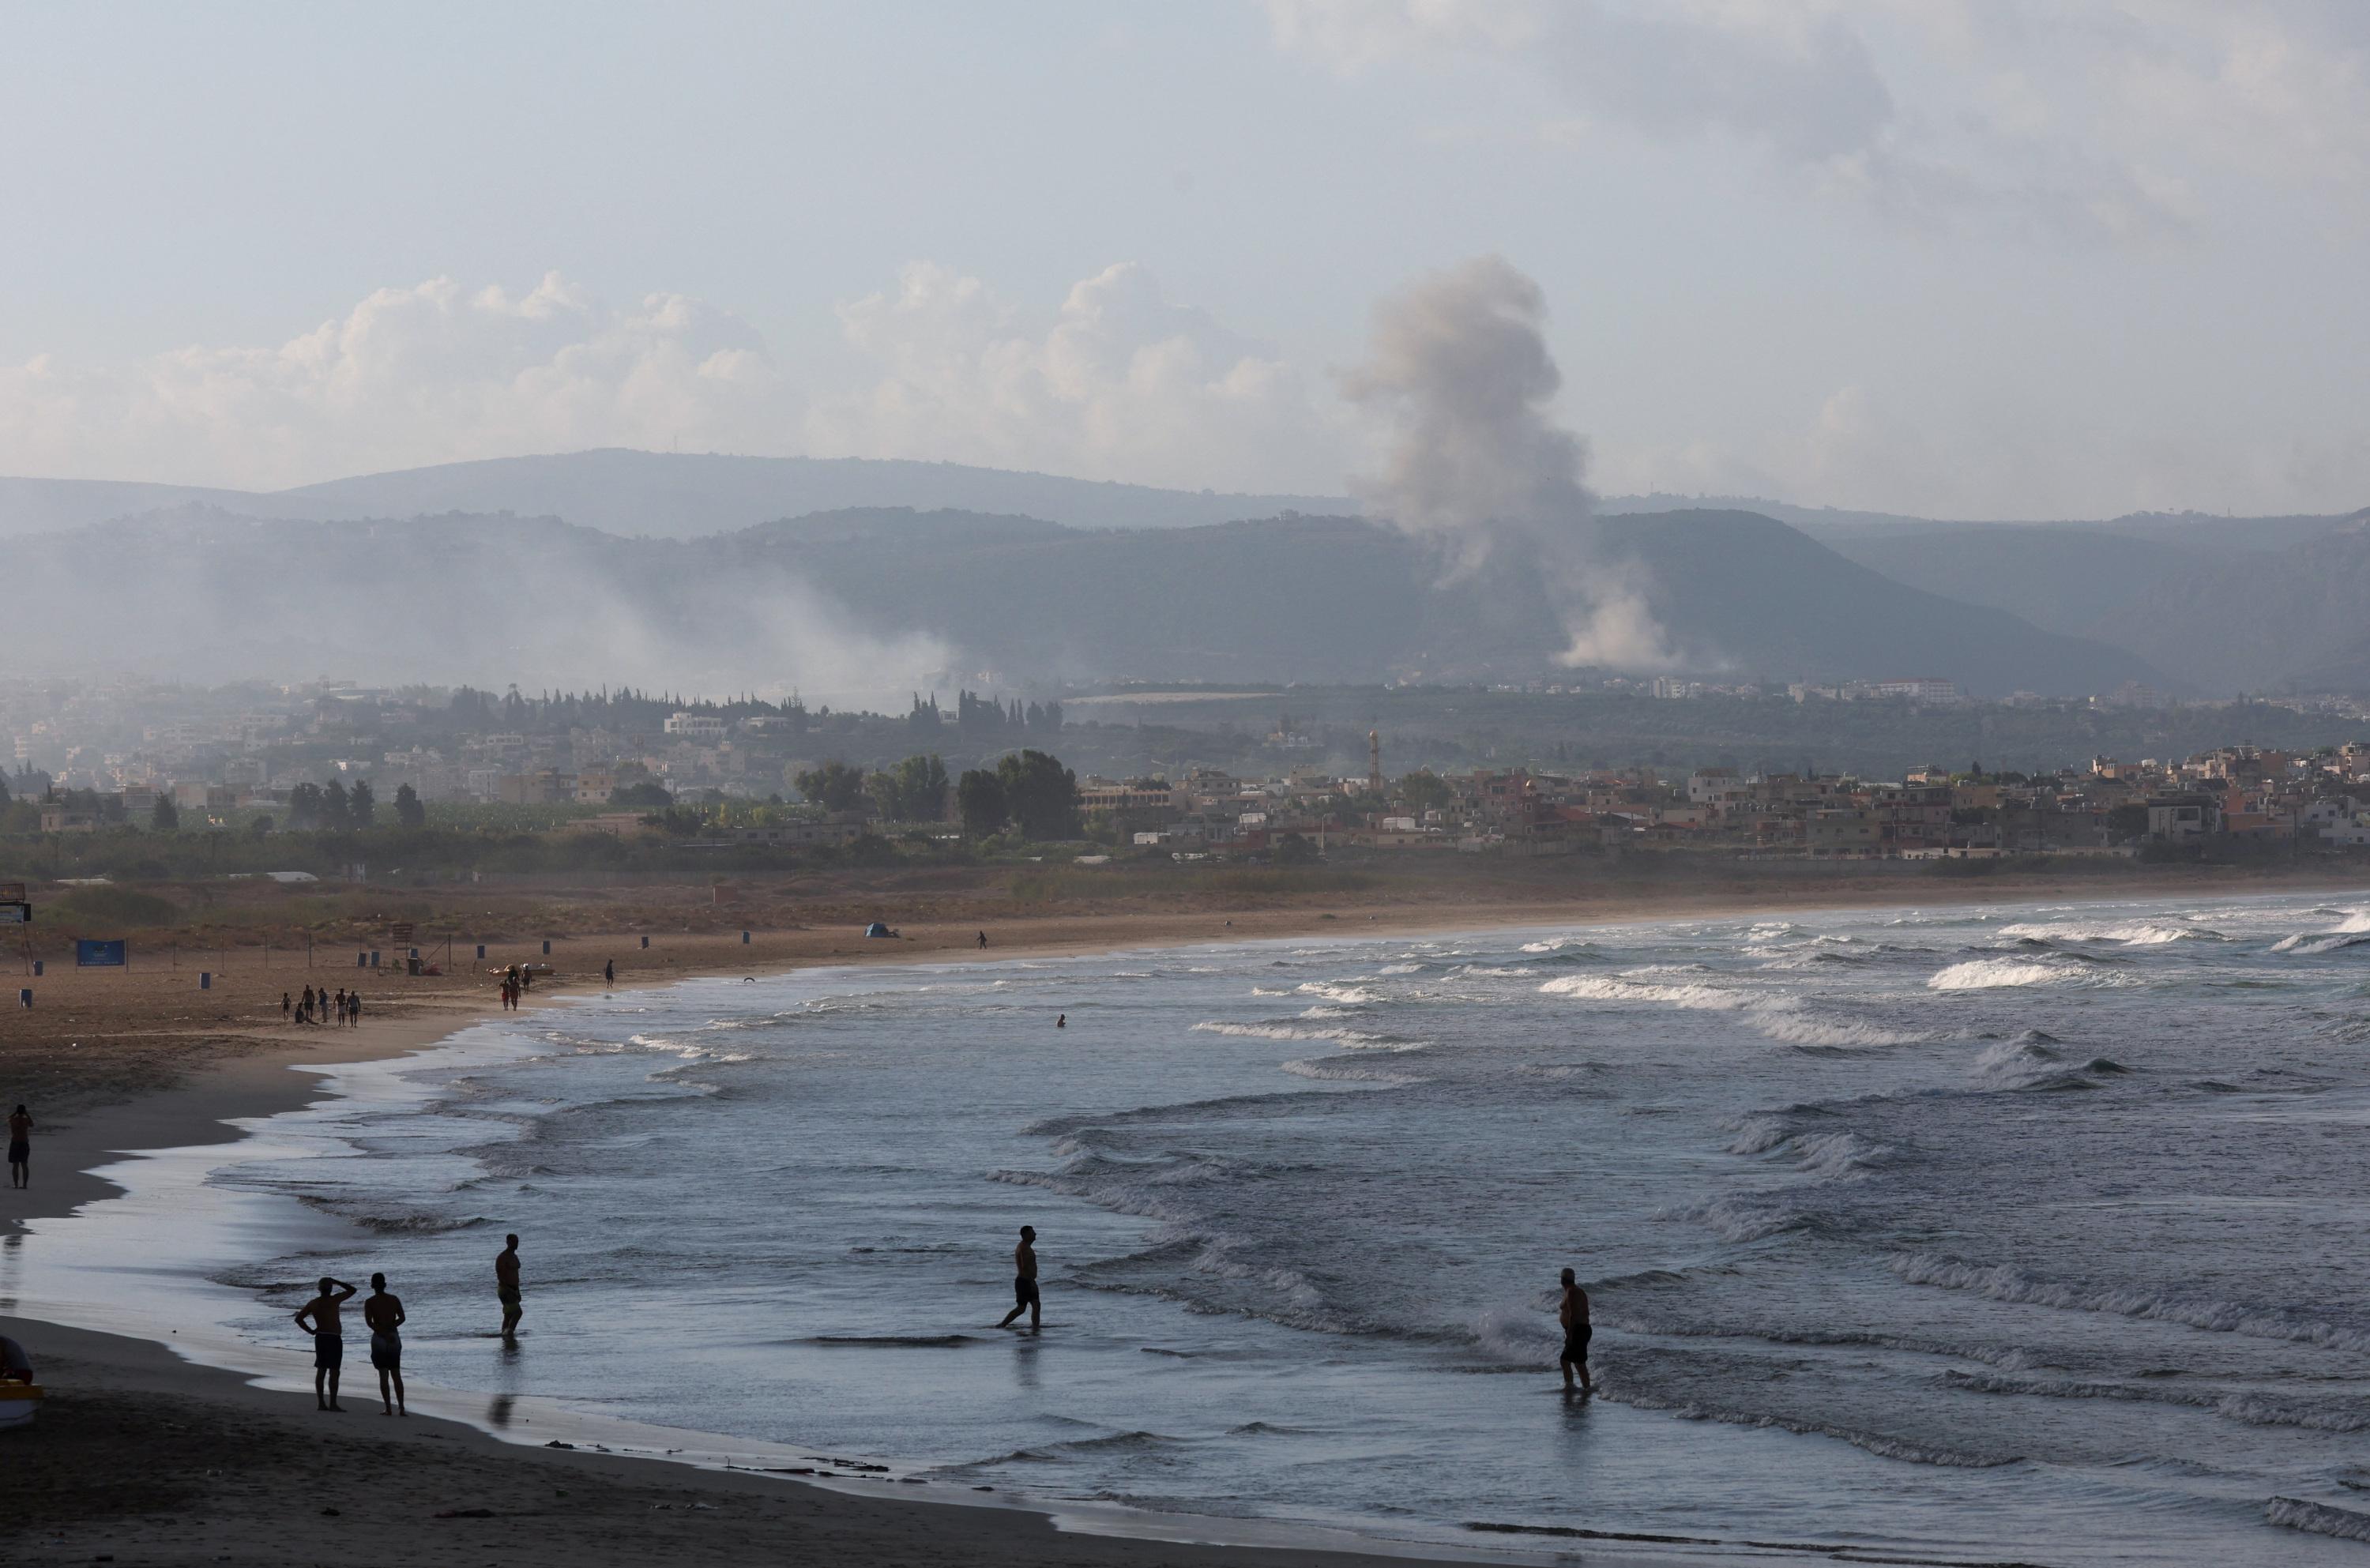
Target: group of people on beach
{"x":319,"y":1008}
{"x":515,"y":980}
{"x":383,"y":1314}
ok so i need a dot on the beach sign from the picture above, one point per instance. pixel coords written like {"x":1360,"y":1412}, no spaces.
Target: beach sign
{"x":13,"y":914}
{"x":111,"y":954}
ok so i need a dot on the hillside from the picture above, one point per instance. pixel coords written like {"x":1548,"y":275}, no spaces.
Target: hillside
{"x":2289,"y":618}
{"x":863,"y":604}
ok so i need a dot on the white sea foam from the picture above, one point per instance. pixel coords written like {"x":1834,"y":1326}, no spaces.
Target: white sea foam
{"x":2131,"y":934}
{"x":1800,"y":1028}
{"x":1349,"y":1039}
{"x":1352,"y":995}
{"x":1995,"y":974}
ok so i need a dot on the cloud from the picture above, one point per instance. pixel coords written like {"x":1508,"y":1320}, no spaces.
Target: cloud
{"x":1121,"y":384}
{"x":427,"y":374}
{"x":1459,"y":377}
{"x":2097,"y":119}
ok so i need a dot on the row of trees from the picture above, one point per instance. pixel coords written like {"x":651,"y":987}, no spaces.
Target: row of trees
{"x":1027,"y":789}
{"x":333,"y":808}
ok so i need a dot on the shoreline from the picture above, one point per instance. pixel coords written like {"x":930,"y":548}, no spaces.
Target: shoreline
{"x":203,"y":1111}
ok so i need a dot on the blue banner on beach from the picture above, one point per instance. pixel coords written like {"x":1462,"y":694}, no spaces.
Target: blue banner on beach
{"x":114,"y":954}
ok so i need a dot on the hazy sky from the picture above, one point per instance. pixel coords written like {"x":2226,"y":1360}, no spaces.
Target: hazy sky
{"x":1989,"y":258}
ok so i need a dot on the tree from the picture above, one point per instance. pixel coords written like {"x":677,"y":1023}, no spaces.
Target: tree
{"x":835,"y":787}
{"x":165,"y":816}
{"x":2128,"y":820}
{"x":359,"y":804}
{"x":1293,"y":850}
{"x":408,"y":811}
{"x":1040,"y":794}
{"x":646,"y":796}
{"x":1424,"y":791}
{"x":979,"y":798}
{"x":260,"y":827}
{"x":4,"y":788}
{"x":306,"y":806}
{"x":913,"y":790}
{"x":336,"y":813}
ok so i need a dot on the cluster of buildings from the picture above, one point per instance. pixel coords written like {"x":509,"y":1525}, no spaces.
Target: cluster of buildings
{"x":237,"y":752}
{"x":2235,"y":793}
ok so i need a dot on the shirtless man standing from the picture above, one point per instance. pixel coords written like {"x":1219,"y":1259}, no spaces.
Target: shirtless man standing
{"x":1024,"y":1280}
{"x":1574,"y":1314}
{"x":506,"y":1287}
{"x":20,"y":1147}
{"x":383,"y":1312}
{"x":328,"y":1340}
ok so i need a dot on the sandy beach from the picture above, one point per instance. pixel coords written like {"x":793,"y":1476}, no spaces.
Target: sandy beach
{"x":141,"y":1458}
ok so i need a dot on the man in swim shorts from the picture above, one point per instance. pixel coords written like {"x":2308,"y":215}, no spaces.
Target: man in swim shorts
{"x":506,"y":1287}
{"x":1024,"y":1280}
{"x":20,"y":1147}
{"x":328,"y":1340}
{"x":383,"y":1312}
{"x":1574,"y":1314}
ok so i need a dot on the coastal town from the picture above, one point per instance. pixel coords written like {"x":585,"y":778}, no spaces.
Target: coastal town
{"x":756,"y":775}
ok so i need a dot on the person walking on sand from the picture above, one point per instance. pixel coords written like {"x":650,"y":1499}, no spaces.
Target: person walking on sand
{"x":287,"y":1008}
{"x":506,"y":1287}
{"x":982,"y":938}
{"x":328,"y":1340}
{"x":304,"y":1007}
{"x":383,"y":1312}
{"x":20,"y":1147}
{"x":354,"y":1010}
{"x":609,"y":972}
{"x":1572,"y":1312}
{"x":1024,"y":1281}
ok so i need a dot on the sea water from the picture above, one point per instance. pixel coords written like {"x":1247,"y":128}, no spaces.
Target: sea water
{"x":1957,"y":1234}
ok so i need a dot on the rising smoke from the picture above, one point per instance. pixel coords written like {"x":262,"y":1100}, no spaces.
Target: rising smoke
{"x":1460,"y":376}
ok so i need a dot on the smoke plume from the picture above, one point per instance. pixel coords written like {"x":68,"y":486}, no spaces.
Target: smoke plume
{"x":1460,"y":375}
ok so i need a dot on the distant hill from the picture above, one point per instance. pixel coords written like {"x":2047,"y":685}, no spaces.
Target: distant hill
{"x":871,"y":601}
{"x":2296,"y":618}
{"x":679,"y":496}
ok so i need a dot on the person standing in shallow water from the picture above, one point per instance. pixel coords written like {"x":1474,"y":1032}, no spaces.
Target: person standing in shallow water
{"x":1024,"y":1280}
{"x":1572,"y":1311}
{"x":20,"y":1147}
{"x":506,"y":1287}
{"x":328,"y":1340}
{"x":383,"y":1312}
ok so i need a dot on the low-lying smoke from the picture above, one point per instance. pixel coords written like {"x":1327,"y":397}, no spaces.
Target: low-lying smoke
{"x":1460,"y":373}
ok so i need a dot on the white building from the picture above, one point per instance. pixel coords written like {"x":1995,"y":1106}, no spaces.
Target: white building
{"x":703,"y":727}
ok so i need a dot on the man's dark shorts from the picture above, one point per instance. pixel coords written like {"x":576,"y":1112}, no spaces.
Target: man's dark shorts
{"x":1024,"y":1290}
{"x":508,"y":1295}
{"x":386,"y":1351}
{"x":1575,"y":1344}
{"x":329,"y":1351}
{"x":20,"y":1153}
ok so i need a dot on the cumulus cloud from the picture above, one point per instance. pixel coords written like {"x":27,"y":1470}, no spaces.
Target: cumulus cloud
{"x":1459,"y":376}
{"x":432,"y":373}
{"x":1121,"y":383}
{"x":2098,"y":119}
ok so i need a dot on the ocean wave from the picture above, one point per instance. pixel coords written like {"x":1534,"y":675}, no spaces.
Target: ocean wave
{"x":1347,"y":1039}
{"x":1350,"y":996}
{"x":2252,"y":1410}
{"x":1881,"y":1444}
{"x":1701,"y":997}
{"x":1400,"y":969}
{"x":1993,"y":973}
{"x":2311,"y":944}
{"x":1805,"y":1030}
{"x":1823,"y":1153}
{"x":2294,"y":1513}
{"x":1336,"y":1071}
{"x":1998,"y":1282}
{"x":2138,"y":933}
